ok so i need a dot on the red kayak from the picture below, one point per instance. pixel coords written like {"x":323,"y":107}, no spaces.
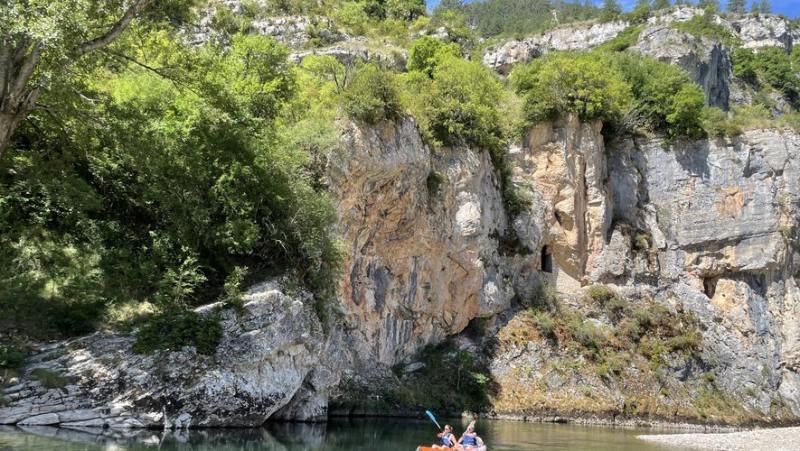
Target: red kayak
{"x":428,"y":448}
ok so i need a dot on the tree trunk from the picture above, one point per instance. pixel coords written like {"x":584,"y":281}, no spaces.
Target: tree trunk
{"x":12,"y":114}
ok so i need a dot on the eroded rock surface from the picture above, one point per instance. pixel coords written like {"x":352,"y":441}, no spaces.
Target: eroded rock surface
{"x":422,"y":232}
{"x":274,"y":356}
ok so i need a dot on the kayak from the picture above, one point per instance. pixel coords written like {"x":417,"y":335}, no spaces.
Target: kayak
{"x":428,"y":448}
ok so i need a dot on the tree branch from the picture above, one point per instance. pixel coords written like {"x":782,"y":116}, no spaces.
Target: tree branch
{"x":26,"y":71}
{"x":115,"y":31}
{"x":138,"y":63}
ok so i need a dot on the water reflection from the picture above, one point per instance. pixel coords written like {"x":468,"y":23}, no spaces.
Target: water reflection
{"x":342,"y":434}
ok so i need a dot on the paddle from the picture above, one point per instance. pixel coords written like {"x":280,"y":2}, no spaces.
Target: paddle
{"x":433,"y":419}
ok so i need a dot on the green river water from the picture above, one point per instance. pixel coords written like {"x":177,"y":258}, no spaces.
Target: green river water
{"x":338,"y":434}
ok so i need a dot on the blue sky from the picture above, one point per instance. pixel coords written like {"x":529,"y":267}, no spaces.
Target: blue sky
{"x":790,"y":8}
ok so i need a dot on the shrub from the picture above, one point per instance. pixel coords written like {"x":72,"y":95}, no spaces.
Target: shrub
{"x":704,"y":26}
{"x":543,"y":296}
{"x":626,"y":38}
{"x":570,"y":83}
{"x":643,"y":317}
{"x":587,"y":335}
{"x":11,"y":358}
{"x":427,"y":52}
{"x":641,"y":241}
{"x":372,"y":96}
{"x":665,"y":97}
{"x":176,"y":330}
{"x":601,"y":294}
{"x":435,"y":181}
{"x":49,"y":379}
{"x":544,"y":322}
{"x":745,"y":65}
{"x":717,"y":124}
{"x":459,"y":106}
{"x":687,"y":342}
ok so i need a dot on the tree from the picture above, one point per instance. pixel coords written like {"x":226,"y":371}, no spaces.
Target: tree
{"x":712,"y":5}
{"x":42,"y":39}
{"x":405,"y":9}
{"x":427,"y":52}
{"x":737,"y":6}
{"x":766,"y":6}
{"x":611,"y":9}
{"x":754,"y":8}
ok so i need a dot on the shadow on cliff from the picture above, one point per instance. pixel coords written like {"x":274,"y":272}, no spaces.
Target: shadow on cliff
{"x":451,"y":378}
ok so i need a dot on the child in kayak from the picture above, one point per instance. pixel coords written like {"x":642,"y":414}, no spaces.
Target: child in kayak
{"x":448,"y":439}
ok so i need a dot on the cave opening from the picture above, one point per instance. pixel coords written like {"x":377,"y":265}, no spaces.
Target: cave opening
{"x":710,"y":286}
{"x":547,"y":260}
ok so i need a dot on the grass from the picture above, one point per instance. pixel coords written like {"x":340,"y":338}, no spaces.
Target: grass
{"x":49,"y":379}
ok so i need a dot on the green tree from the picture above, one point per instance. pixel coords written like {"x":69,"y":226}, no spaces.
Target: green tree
{"x":373,"y":95}
{"x":41,"y":39}
{"x":564,"y":83}
{"x":665,"y":98}
{"x":408,"y":10}
{"x":712,"y":5}
{"x":737,"y":6}
{"x":754,"y":8}
{"x":159,"y":189}
{"x":661,"y":4}
{"x":766,"y":6}
{"x":427,"y":52}
{"x":611,"y":9}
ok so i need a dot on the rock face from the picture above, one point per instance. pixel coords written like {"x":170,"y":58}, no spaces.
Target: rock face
{"x":706,"y":61}
{"x":721,"y":221}
{"x":723,"y":217}
{"x":274,"y":359}
{"x":422,"y":232}
{"x":560,"y":39}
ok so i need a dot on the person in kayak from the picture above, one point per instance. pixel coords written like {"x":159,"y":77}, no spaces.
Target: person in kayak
{"x":469,"y":439}
{"x":448,"y":439}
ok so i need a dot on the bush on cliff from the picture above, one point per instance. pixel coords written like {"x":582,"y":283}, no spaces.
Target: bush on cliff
{"x":372,"y":96}
{"x":623,"y":90}
{"x":571,"y":83}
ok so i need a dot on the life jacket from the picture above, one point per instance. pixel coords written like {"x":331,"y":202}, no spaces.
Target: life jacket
{"x":469,"y":441}
{"x":446,"y":439}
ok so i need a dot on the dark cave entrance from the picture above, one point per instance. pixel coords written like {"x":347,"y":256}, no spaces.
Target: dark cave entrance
{"x":546,"y":260}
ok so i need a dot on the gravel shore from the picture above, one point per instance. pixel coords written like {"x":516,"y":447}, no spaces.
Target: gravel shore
{"x":756,"y":440}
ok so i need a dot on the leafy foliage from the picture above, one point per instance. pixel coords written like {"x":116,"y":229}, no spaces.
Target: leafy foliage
{"x":571,"y":83}
{"x":173,"y":331}
{"x":704,"y":26}
{"x":181,"y":176}
{"x":373,"y":95}
{"x":665,"y":97}
{"x":514,"y":17}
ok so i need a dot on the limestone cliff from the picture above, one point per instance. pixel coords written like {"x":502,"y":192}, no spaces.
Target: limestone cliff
{"x":274,"y":361}
{"x":718,"y":219}
{"x":708,"y":62}
{"x":705,"y":229}
{"x":422,"y":230}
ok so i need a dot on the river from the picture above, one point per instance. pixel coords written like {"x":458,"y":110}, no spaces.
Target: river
{"x":339,"y":434}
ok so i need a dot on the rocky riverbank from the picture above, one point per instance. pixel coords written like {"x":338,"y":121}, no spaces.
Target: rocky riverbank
{"x":755,"y":440}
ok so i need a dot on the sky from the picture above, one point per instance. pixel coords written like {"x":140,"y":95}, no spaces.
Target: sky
{"x":789,"y":8}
